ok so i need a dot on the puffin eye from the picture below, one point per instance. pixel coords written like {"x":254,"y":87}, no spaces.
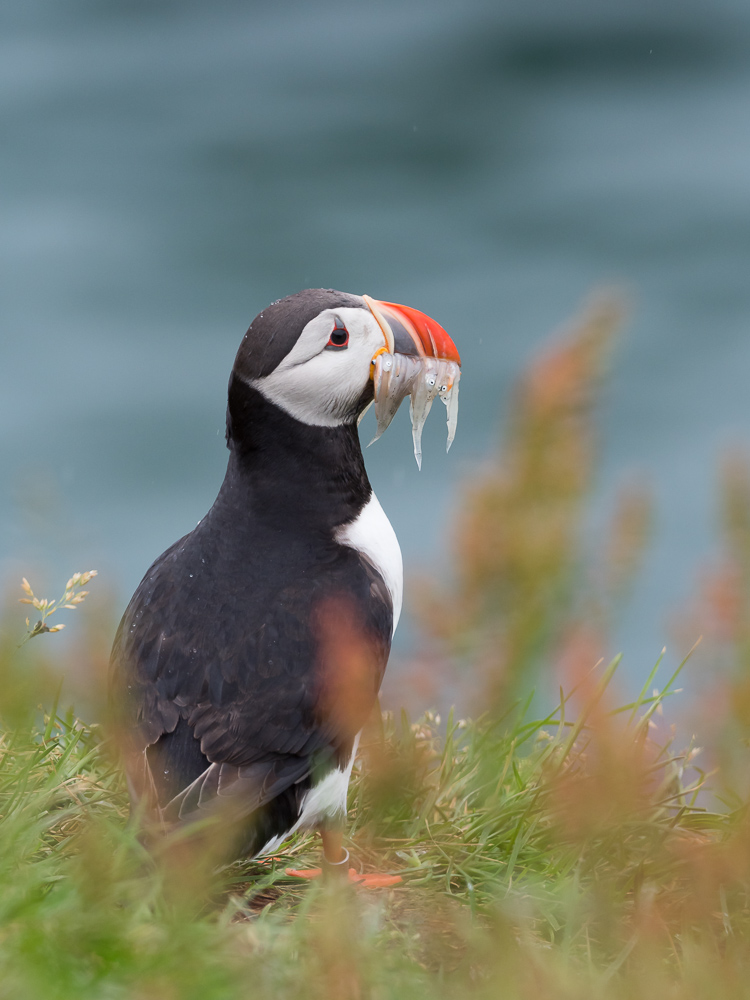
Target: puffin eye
{"x":339,"y":339}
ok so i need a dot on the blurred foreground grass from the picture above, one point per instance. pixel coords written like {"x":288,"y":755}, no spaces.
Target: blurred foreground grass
{"x":580,"y":854}
{"x":549,"y":859}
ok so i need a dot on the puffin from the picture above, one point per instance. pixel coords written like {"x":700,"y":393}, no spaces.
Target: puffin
{"x":251,"y":654}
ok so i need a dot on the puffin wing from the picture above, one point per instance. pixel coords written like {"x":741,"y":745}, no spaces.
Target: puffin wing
{"x":223,"y":706}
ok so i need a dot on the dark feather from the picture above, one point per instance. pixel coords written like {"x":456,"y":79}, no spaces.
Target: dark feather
{"x":216,"y":666}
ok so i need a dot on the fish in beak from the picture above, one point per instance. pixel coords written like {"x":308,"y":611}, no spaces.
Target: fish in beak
{"x":419,"y":360}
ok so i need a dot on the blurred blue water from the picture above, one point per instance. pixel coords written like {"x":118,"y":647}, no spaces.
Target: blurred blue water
{"x":168,"y":168}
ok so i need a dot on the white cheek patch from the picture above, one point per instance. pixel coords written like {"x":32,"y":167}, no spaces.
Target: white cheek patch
{"x":318,"y":386}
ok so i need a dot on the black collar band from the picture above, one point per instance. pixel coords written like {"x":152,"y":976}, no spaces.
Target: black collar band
{"x":288,"y":471}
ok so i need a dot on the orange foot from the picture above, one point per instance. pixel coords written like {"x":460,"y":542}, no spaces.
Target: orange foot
{"x":372,"y":880}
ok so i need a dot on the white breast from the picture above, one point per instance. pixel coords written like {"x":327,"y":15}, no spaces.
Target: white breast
{"x":371,"y":534}
{"x":326,"y":800}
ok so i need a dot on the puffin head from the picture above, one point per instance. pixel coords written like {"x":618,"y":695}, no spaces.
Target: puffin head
{"x":323,"y":356}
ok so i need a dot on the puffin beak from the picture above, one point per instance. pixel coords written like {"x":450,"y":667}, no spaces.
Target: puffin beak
{"x":411,"y":332}
{"x":419,"y":360}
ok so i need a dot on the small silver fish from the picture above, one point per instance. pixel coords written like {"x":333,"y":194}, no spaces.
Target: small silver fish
{"x":423,"y":378}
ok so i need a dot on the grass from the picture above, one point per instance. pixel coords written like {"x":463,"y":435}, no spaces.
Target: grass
{"x":559,"y":856}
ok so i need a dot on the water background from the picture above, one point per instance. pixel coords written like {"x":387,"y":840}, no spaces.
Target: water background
{"x":169,"y":168}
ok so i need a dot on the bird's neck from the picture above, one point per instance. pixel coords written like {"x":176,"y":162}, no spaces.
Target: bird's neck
{"x":286,"y":471}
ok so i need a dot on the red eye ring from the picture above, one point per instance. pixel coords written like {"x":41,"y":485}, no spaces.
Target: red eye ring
{"x":339,"y":339}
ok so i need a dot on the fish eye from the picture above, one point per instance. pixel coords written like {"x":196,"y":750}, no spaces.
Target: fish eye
{"x":339,"y":339}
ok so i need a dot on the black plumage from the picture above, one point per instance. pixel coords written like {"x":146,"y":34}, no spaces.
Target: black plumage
{"x":218,"y":680}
